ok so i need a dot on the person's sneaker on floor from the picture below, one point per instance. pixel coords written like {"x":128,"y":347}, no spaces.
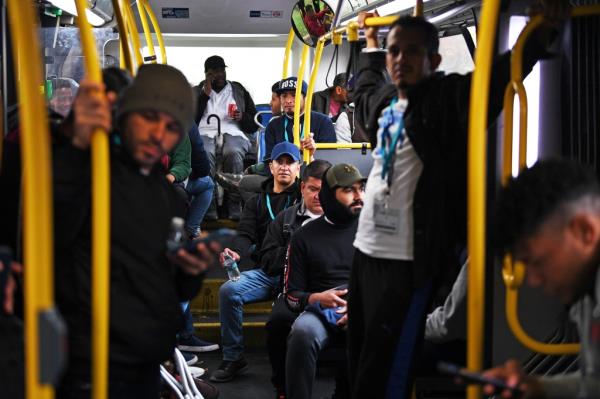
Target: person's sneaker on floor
{"x":229,"y":369}
{"x":190,"y":358}
{"x":194,"y":344}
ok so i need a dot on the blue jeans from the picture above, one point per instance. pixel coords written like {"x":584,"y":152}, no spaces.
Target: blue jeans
{"x":201,"y":190}
{"x":253,"y":286}
{"x":306,"y":340}
{"x":188,"y":322}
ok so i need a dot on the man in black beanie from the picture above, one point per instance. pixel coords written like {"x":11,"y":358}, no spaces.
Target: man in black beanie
{"x":317,"y":274}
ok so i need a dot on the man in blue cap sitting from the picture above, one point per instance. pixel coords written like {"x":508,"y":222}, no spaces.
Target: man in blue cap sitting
{"x":282,"y":128}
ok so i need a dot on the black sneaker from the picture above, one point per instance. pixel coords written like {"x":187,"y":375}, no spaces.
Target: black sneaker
{"x":195,"y":344}
{"x":190,"y":358}
{"x":229,"y":369}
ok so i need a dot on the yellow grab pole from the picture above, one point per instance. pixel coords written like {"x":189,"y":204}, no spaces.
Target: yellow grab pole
{"x":147,"y":34}
{"x":298,"y":94}
{"x":37,"y":190}
{"x":381,"y":21}
{"x":125,"y":52}
{"x":418,"y":11}
{"x":133,"y":31}
{"x":477,"y":149}
{"x":288,"y":51}
{"x":309,"y":92}
{"x":159,"y":37}
{"x":100,"y":222}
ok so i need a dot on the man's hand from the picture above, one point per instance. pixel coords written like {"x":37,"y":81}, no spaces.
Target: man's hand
{"x":10,"y":287}
{"x":308,"y":144}
{"x":555,"y":13}
{"x":198,"y":262}
{"x":236,"y":257}
{"x":329,"y":299}
{"x":208,"y":78}
{"x":237,"y":115}
{"x":514,"y":376}
{"x":371,"y":31}
{"x":171,"y":178}
{"x":343,"y":322}
{"x":91,"y":111}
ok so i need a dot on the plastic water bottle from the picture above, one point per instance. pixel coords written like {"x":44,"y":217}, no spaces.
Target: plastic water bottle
{"x":230,"y":265}
{"x":176,"y":235}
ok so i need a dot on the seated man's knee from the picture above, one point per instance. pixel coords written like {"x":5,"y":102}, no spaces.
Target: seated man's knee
{"x":302,"y":334}
{"x":228,"y":294}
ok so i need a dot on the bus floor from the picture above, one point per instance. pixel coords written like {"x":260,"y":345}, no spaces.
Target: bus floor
{"x":256,"y":382}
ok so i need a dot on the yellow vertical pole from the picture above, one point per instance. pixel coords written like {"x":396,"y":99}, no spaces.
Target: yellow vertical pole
{"x":300,"y":77}
{"x":159,"y":36}
{"x":146,"y":27}
{"x":309,"y":92}
{"x":477,"y":150}
{"x":124,"y":51}
{"x":133,"y":31}
{"x":100,"y":222}
{"x":288,"y":51}
{"x":418,"y":11}
{"x":37,"y":189}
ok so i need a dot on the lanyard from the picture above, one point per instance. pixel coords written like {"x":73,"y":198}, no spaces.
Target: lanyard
{"x":285,"y":125}
{"x":287,"y":203}
{"x":389,"y":141}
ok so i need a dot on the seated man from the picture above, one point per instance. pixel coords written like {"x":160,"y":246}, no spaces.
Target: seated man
{"x":153,"y":115}
{"x":282,"y":128}
{"x":332,"y":101}
{"x":274,"y":257}
{"x":319,"y":263}
{"x":278,"y":193}
{"x":548,"y":217}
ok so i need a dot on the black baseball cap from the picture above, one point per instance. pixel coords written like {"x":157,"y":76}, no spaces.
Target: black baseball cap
{"x":214,"y":62}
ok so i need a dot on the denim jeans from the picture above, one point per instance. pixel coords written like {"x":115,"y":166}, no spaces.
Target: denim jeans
{"x":201,"y":190}
{"x":253,"y":286}
{"x":308,"y":336}
{"x":188,"y":322}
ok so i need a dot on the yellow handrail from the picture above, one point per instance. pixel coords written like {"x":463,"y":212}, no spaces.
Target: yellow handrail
{"x":477,"y":145}
{"x":37,"y":190}
{"x":418,"y":10}
{"x":286,"y":55}
{"x":157,"y":31}
{"x":124,"y":51}
{"x":100,"y":222}
{"x":309,"y":92}
{"x":132,"y":31}
{"x":147,"y":34}
{"x":299,"y":80}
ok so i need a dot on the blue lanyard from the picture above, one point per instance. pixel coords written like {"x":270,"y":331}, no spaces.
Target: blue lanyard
{"x":285,"y":125}
{"x":287,"y":203}
{"x":389,"y":140}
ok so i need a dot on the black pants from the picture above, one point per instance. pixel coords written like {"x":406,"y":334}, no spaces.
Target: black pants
{"x":278,"y":328}
{"x":386,"y":317}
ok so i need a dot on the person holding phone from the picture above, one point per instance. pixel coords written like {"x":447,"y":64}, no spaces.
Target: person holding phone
{"x":234,"y":106}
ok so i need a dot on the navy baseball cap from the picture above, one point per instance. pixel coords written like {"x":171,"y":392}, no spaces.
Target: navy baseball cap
{"x":289,"y":84}
{"x":285,"y":148}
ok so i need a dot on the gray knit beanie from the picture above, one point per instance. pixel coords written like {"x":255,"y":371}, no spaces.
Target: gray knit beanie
{"x":162,"y":88}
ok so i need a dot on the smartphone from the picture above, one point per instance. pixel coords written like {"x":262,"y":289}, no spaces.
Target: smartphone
{"x":6,"y":259}
{"x":221,"y":236}
{"x":477,"y":378}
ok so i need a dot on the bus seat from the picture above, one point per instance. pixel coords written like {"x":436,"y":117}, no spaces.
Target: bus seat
{"x":354,"y":156}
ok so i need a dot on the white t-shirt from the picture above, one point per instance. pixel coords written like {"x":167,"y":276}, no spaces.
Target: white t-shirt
{"x":218,"y":103}
{"x":390,"y":243}
{"x":342,"y":129}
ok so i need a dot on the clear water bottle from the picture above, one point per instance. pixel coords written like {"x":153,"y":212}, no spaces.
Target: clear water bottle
{"x":230,"y":265}
{"x":176,"y":235}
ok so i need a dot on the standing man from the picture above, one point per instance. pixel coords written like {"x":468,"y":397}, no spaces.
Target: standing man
{"x":332,"y":101}
{"x":282,"y":128}
{"x":232,"y":103}
{"x":549,"y":219}
{"x":413,"y":225}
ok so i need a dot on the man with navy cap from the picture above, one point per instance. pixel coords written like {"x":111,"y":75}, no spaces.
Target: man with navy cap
{"x":282,"y":128}
{"x":278,"y":193}
{"x":234,"y":106}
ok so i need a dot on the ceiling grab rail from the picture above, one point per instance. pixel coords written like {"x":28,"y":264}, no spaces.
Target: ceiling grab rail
{"x":37,"y":194}
{"x":100,"y":222}
{"x":124,"y":49}
{"x":148,"y":36}
{"x":286,"y":55}
{"x":132,"y":31}
{"x":513,"y":273}
{"x":299,"y":80}
{"x":309,"y":92}
{"x":157,"y":31}
{"x":476,"y":188}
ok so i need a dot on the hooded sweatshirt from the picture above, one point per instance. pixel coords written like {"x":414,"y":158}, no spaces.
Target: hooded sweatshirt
{"x":321,"y":252}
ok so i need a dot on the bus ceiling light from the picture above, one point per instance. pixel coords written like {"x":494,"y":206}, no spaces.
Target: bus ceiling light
{"x":69,"y":6}
{"x":394,"y":7}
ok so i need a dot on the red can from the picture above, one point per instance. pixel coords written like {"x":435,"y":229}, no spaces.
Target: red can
{"x":231,"y":110}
